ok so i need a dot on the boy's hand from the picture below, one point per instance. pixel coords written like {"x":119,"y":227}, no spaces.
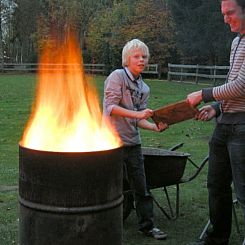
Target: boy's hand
{"x":160,"y":127}
{"x":145,"y":114}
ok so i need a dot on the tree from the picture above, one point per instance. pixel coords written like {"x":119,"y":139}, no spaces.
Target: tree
{"x":24,"y":25}
{"x":33,"y":21}
{"x":1,"y":33}
{"x":88,"y":9}
{"x":201,"y":36}
{"x":152,"y":22}
{"x":149,"y":21}
{"x":6,"y":11}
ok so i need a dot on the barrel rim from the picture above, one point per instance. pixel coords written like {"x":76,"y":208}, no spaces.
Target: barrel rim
{"x":69,"y":152}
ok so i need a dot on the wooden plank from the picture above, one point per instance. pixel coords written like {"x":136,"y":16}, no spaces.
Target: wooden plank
{"x":174,"y":113}
{"x":220,"y":76}
{"x":150,"y":72}
{"x":222,"y":67}
{"x":182,"y":74}
{"x":151,"y":69}
{"x":182,"y":66}
{"x":205,"y":67}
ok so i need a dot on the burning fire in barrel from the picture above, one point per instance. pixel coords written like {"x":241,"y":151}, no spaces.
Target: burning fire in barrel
{"x":70,"y":178}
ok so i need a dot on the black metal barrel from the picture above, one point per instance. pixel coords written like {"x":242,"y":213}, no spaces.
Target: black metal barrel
{"x":70,"y":198}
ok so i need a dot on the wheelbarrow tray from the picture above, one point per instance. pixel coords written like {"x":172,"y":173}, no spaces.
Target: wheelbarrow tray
{"x":163,"y":167}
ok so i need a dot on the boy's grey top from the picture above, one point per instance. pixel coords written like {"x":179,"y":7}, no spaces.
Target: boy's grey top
{"x":231,"y":94}
{"x":122,"y":89}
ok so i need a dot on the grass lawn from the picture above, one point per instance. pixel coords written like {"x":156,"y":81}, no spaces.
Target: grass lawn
{"x":16,"y":96}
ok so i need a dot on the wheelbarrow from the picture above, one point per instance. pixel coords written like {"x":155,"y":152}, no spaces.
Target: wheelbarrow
{"x":163,"y":168}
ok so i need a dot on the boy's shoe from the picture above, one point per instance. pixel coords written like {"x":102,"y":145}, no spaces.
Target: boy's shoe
{"x":155,"y":233}
{"x":202,"y":242}
{"x":197,"y":243}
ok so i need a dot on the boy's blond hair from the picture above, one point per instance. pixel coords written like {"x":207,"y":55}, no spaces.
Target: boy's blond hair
{"x":131,"y":46}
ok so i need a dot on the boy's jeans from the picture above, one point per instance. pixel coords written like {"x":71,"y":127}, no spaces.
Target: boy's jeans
{"x":133,"y":159}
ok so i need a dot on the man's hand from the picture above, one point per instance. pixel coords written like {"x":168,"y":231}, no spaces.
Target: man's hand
{"x":194,"y":98}
{"x":206,"y":113}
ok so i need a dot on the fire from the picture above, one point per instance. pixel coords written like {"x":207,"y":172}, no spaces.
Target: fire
{"x":66,"y":116}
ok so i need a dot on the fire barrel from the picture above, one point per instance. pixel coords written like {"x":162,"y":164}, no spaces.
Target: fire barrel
{"x":70,"y":198}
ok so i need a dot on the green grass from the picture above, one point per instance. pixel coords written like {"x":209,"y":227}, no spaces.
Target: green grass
{"x":16,"y":96}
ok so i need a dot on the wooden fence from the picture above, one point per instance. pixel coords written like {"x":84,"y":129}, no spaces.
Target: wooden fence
{"x":196,"y":72}
{"x":151,"y":69}
{"x":33,"y":67}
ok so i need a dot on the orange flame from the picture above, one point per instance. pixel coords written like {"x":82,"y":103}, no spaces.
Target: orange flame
{"x":66,"y":116}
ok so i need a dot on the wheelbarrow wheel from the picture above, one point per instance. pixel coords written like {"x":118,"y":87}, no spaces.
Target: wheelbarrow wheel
{"x":128,"y":203}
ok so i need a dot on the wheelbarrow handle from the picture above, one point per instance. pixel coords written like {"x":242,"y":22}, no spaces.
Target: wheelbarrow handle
{"x":175,"y":147}
{"x":198,"y":170}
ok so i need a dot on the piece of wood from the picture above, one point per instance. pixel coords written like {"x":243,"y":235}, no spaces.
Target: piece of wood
{"x":174,"y":113}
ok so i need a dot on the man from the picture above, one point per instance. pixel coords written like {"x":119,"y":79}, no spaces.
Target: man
{"x":227,"y":145}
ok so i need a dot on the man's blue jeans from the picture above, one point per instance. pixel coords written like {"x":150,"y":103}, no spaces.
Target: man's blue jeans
{"x":226,"y":164}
